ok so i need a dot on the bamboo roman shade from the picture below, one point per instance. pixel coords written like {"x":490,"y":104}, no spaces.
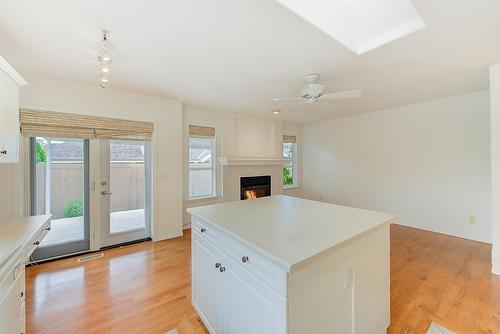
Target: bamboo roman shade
{"x":201,"y":131}
{"x":63,"y":125}
{"x":289,"y":139}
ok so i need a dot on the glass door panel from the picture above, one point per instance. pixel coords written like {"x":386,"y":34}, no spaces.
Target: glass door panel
{"x":59,"y":183}
{"x":124,"y":191}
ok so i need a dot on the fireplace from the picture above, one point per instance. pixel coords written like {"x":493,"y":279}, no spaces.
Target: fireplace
{"x":255,"y":186}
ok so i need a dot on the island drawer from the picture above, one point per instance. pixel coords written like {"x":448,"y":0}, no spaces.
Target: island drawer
{"x":34,"y":242}
{"x":255,"y":264}
{"x":204,"y":229}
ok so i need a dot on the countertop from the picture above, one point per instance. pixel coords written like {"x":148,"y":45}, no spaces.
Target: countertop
{"x":289,"y":230}
{"x":15,"y":232}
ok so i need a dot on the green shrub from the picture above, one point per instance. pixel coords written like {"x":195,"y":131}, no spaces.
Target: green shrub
{"x":74,"y":208}
{"x":287,"y":176}
{"x":41,"y":156}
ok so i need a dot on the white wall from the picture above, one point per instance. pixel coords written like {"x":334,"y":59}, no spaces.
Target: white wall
{"x":495,"y":163}
{"x":429,"y":163}
{"x":237,"y":135}
{"x":166,"y":114}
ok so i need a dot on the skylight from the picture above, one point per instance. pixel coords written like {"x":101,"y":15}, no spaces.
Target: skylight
{"x":360,"y":25}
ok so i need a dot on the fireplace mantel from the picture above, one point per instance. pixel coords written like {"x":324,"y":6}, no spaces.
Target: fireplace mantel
{"x":250,"y":161}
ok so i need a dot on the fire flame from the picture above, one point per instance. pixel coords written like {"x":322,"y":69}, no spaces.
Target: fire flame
{"x":250,"y":194}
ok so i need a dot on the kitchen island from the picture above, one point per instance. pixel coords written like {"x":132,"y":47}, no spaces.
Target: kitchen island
{"x":285,"y":265}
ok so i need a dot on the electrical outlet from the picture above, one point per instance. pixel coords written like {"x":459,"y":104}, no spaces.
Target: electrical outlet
{"x":348,"y":278}
{"x":472,"y":219}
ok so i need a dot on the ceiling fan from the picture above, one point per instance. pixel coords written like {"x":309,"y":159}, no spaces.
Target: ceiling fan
{"x":311,"y":93}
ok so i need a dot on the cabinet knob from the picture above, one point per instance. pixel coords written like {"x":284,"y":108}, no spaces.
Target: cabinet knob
{"x":36,"y":243}
{"x":222,"y":269}
{"x":47,"y":229}
{"x":244,"y":259}
{"x":22,"y":294}
{"x":217,"y":265}
{"x":3,"y":152}
{"x":203,"y":230}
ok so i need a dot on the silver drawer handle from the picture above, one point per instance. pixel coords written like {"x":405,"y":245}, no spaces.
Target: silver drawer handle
{"x":217,"y":265}
{"x":203,"y":230}
{"x":222,"y":269}
{"x":244,"y":259}
{"x":36,"y":243}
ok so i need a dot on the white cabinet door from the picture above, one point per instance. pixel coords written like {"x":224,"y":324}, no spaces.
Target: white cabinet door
{"x":12,"y":308}
{"x":9,"y":115}
{"x":249,"y":306}
{"x":206,"y":283}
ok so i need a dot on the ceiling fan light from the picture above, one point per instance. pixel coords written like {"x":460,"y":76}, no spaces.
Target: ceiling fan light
{"x":105,"y":69}
{"x":276,"y":111}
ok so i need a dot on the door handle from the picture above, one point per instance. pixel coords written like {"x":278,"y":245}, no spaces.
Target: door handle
{"x":104,"y":193}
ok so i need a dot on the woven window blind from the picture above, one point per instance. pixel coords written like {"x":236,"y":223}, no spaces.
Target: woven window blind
{"x":63,"y":125}
{"x":201,"y":131}
{"x":289,"y":139}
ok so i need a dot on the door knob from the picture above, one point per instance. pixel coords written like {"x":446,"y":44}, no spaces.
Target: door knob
{"x":217,"y":265}
{"x":104,"y":193}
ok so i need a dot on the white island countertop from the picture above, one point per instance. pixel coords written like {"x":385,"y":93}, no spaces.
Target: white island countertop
{"x":290,"y":230}
{"x":15,"y":232}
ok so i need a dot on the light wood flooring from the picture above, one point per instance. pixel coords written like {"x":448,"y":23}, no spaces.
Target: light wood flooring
{"x":145,"y":288}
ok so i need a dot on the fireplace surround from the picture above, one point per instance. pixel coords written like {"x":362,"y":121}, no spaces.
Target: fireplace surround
{"x":255,"y":186}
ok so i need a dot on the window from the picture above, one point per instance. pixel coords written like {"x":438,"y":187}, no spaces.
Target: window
{"x":290,"y":169}
{"x":201,"y":162}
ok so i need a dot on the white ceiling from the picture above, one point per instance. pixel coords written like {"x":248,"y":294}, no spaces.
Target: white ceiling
{"x":236,"y":55}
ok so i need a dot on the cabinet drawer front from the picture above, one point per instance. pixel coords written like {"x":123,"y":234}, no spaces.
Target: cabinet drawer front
{"x":205,"y":230}
{"x":33,"y":243}
{"x":271,"y":275}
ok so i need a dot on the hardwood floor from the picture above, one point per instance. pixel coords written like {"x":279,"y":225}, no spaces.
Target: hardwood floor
{"x":142,"y":288}
{"x":444,"y":279}
{"x":145,"y":288}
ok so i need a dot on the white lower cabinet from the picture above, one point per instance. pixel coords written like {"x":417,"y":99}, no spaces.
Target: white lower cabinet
{"x":229,"y":299}
{"x":30,"y":231}
{"x":250,"y":307}
{"x":12,"y":302}
{"x":207,"y":291}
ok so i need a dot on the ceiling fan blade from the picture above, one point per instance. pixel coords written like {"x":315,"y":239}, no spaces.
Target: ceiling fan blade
{"x":350,"y":94}
{"x":294,"y":106}
{"x":287,"y":99}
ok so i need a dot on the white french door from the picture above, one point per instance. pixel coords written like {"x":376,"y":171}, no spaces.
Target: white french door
{"x":124,"y":191}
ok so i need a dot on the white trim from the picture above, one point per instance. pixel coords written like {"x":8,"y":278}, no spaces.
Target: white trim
{"x":201,"y":198}
{"x":11,"y":72}
{"x":245,"y":161}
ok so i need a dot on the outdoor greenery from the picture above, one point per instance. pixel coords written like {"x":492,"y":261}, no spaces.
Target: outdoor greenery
{"x":74,"y":208}
{"x":41,"y":156}
{"x":287,"y":176}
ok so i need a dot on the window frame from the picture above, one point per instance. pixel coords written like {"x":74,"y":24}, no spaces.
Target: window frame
{"x":213,"y":168}
{"x":293,"y":163}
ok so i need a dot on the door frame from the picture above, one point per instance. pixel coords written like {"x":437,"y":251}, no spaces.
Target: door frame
{"x":66,"y":248}
{"x":107,"y":239}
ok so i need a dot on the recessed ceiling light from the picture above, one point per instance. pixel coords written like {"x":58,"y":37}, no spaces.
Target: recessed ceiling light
{"x":276,"y":111}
